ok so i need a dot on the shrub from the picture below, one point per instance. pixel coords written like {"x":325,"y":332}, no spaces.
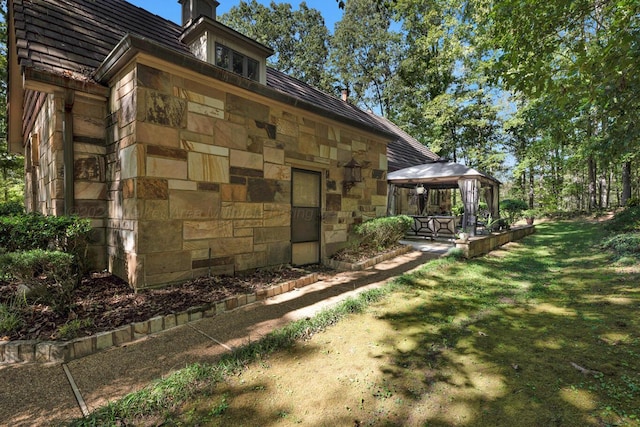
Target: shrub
{"x":633,"y":202}
{"x":513,"y":208}
{"x":455,"y":253}
{"x":383,"y":232}
{"x":565,"y":215}
{"x":35,"y":231}
{"x":624,"y":244}
{"x":26,"y":266}
{"x":11,"y":208}
{"x":49,"y":275}
{"x":626,"y":220}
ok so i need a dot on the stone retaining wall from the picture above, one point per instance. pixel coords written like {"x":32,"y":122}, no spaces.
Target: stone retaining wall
{"x":363,"y":265}
{"x":481,"y":245}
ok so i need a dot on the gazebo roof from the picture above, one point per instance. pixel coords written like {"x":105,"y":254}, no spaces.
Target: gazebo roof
{"x":439,"y":174}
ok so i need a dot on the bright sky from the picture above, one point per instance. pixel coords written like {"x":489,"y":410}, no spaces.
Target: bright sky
{"x":170,"y":9}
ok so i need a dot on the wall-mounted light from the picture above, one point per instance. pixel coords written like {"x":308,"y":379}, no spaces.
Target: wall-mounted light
{"x":420,"y":189}
{"x":352,"y":174}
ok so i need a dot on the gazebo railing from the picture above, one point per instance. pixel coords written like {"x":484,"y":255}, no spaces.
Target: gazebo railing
{"x":434,"y":226}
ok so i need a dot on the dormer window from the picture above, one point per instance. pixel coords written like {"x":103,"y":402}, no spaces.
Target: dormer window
{"x":219,"y":45}
{"x":237,"y":62}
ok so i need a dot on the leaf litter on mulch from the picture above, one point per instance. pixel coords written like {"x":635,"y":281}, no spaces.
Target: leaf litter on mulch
{"x":104,"y":302}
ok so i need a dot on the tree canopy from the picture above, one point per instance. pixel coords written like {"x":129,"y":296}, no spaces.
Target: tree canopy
{"x":299,"y":38}
{"x":546,"y":92}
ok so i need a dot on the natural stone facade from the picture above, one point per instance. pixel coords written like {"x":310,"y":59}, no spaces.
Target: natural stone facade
{"x":199,"y":176}
{"x":44,"y":165}
{"x":186,"y":166}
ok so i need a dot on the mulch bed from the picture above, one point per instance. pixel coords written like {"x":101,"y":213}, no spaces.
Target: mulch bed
{"x":104,"y":302}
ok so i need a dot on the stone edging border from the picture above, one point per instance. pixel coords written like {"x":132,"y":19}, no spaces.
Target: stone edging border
{"x":363,"y":265}
{"x":32,"y":351}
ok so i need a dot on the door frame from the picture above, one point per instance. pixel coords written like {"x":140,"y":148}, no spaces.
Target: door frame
{"x":319,"y":207}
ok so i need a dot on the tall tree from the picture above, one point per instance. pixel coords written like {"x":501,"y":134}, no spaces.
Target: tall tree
{"x":298,"y":37}
{"x":428,"y":84}
{"x":583,"y":56}
{"x":447,"y":101}
{"x":365,"y":52}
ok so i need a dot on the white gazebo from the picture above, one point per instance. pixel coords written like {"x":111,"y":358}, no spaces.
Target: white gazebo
{"x":444,"y":174}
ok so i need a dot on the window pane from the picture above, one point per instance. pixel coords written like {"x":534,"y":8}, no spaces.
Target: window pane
{"x":238,"y":63}
{"x":252,"y":69}
{"x":222,"y":56}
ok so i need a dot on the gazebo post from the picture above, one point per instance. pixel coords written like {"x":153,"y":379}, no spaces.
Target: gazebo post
{"x":469,"y":189}
{"x":391,"y":199}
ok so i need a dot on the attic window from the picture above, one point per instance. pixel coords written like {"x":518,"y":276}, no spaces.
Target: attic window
{"x":237,"y":62}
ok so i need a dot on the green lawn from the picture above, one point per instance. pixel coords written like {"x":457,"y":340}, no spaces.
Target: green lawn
{"x":544,"y":332}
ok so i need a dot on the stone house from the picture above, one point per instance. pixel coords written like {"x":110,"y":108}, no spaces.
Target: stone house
{"x":189,"y":155}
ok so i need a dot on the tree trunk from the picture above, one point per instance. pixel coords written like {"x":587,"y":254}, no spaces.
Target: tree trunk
{"x":609,"y":179}
{"x":626,"y":183}
{"x":593,"y":200}
{"x":6,"y":186}
{"x":604,"y":192}
{"x":531,"y":188}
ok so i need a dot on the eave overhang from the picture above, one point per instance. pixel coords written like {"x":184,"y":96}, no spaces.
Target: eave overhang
{"x":207,"y":24}
{"x":133,"y":45}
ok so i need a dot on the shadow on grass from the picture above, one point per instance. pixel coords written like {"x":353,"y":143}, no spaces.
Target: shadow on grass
{"x":544,"y":335}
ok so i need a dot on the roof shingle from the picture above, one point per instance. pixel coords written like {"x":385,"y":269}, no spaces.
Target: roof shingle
{"x":73,"y":38}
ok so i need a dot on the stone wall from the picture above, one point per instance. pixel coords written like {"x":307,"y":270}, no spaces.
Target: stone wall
{"x":200,"y":176}
{"x":45,"y":166}
{"x":89,"y":171}
{"x":480,"y":245}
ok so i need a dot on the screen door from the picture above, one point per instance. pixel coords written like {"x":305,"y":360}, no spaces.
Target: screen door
{"x":305,"y":217}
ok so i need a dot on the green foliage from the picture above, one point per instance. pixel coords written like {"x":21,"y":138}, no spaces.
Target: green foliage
{"x":383,"y":232}
{"x":633,"y":202}
{"x":73,"y":328}
{"x":457,"y":210}
{"x":34,"y":231}
{"x":365,"y":55}
{"x":11,"y":317}
{"x":455,"y":254}
{"x":626,"y":220}
{"x":27,"y":266}
{"x":49,"y":275}
{"x":627,"y":244}
{"x":11,"y":208}
{"x":299,"y":38}
{"x":577,"y":63}
{"x":513,"y":208}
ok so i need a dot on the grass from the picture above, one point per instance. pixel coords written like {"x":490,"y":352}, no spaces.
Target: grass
{"x":543,"y":332}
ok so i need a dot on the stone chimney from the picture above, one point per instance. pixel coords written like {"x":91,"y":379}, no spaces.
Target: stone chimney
{"x":194,"y":9}
{"x":345,"y":95}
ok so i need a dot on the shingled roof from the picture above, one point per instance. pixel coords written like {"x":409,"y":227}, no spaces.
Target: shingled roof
{"x":72,"y":38}
{"x":404,"y":151}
